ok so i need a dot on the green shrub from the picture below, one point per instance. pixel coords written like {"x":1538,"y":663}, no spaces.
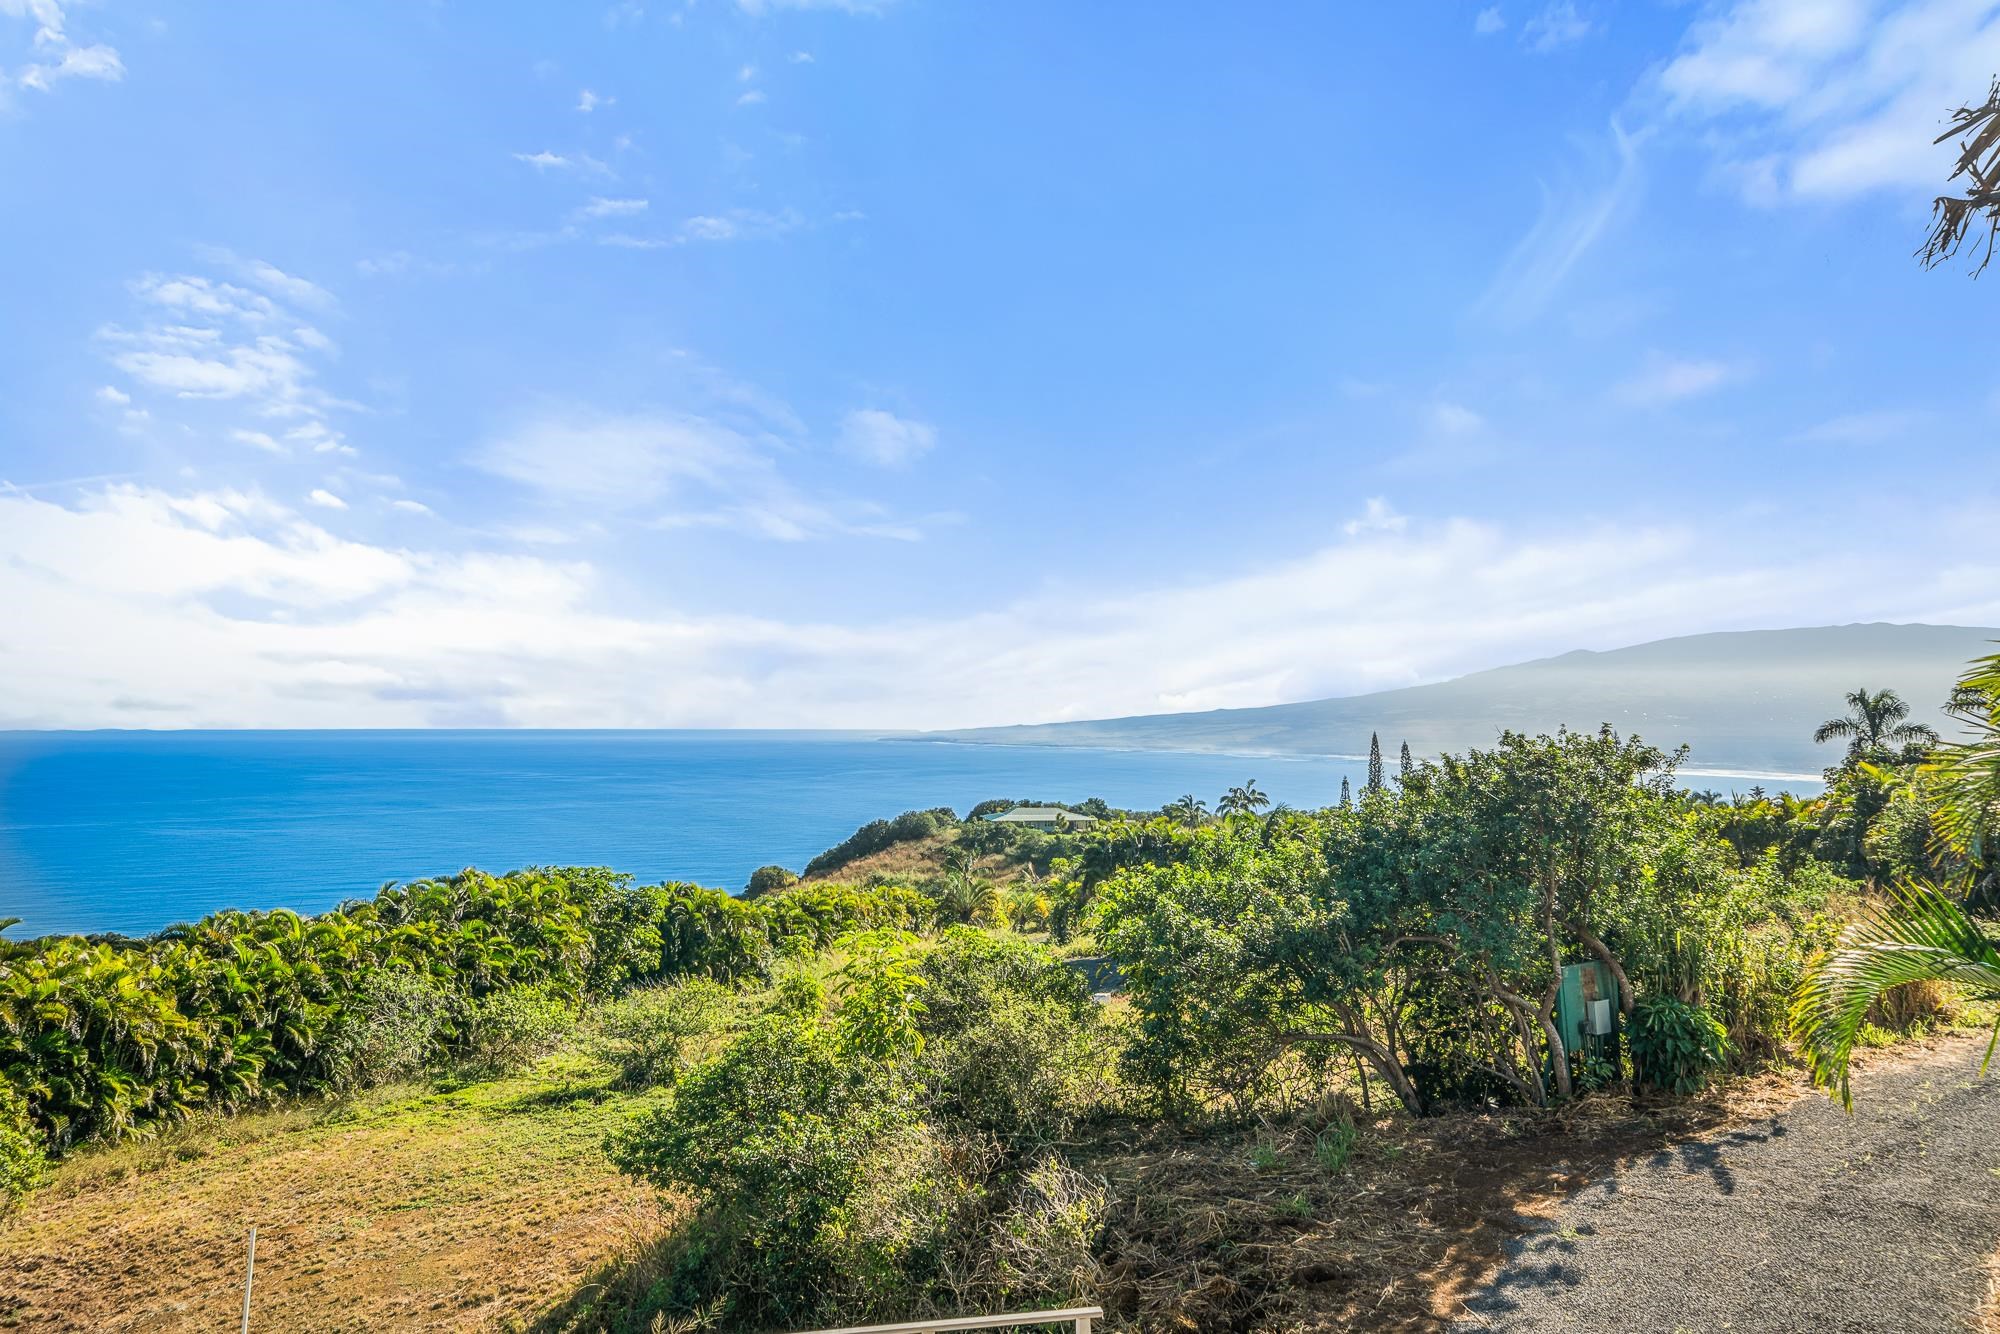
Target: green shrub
{"x":392,"y":1029}
{"x":774,"y":1137}
{"x":21,"y":1155}
{"x":1676,"y":1047}
{"x":767,"y":878}
{"x":968,"y":972}
{"x":509,"y":1029}
{"x":1025,"y":1075}
{"x":651,"y":1031}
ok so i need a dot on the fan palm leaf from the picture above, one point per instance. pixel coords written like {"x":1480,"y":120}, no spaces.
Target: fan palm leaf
{"x":1919,"y":935}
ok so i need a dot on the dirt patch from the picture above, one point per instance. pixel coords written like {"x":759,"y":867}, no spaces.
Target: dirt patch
{"x":1265,"y":1230}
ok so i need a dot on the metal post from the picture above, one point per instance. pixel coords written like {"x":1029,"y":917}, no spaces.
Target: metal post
{"x":249,"y":1277}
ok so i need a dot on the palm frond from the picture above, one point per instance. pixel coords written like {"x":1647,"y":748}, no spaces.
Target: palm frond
{"x":1835,"y":727}
{"x":1966,"y":776}
{"x":1920,"y":934}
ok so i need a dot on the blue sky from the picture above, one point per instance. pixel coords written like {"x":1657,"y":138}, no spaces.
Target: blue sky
{"x":927,"y":363}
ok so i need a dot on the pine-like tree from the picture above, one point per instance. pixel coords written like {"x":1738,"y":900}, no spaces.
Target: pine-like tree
{"x":1374,"y":763}
{"x":1408,"y":767}
{"x":1346,"y":795}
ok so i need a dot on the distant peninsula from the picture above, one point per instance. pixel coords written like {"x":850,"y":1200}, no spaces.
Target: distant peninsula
{"x":1743,"y":701}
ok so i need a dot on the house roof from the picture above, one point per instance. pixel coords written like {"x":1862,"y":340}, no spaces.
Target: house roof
{"x":1040,"y":815}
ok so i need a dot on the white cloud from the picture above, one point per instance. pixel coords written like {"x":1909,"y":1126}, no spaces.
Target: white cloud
{"x":884,"y":438}
{"x":587,"y":101}
{"x":1454,"y":418}
{"x":198,"y":339}
{"x":1557,"y":24}
{"x":258,"y":440}
{"x":611,"y":208}
{"x":802,"y":57}
{"x":624,"y":461}
{"x":325,"y":499}
{"x":411,"y":506}
{"x":1666,"y":380}
{"x":1832,"y":98}
{"x":56,"y":56}
{"x":745,"y":74}
{"x":581,"y":163}
{"x":1489,"y":21}
{"x":255,"y":617}
{"x":113,"y":395}
{"x":751,"y":98}
{"x":737,"y":225}
{"x":1378,"y":516}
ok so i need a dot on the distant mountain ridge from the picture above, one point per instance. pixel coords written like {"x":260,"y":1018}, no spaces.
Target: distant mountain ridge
{"x":1742,"y":700}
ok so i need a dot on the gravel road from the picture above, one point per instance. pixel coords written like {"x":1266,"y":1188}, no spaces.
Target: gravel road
{"x":1808,"y":1221}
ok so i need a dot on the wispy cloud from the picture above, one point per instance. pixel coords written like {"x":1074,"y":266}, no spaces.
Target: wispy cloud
{"x":1489,"y":21}
{"x":1867,"y":428}
{"x":884,"y":438}
{"x":588,"y":101}
{"x":599,"y":207}
{"x":675,"y":470}
{"x":1378,"y":516}
{"x":1557,"y":24}
{"x":1831,"y":98}
{"x":1574,"y":215}
{"x":1665,"y":380}
{"x":1450,"y":418}
{"x":197,"y":338}
{"x":582,"y":163}
{"x":325,"y":499}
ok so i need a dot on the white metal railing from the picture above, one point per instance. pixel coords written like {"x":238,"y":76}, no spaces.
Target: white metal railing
{"x":1077,"y":1317}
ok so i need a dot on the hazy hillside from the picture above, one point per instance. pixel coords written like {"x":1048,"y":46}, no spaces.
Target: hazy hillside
{"x":1743,"y":700}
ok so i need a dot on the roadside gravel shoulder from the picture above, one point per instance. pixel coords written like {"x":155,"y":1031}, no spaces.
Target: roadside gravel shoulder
{"x":1808,"y":1220}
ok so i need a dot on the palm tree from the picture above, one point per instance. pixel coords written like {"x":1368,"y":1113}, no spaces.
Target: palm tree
{"x":1245,"y":800}
{"x":1978,"y":131}
{"x":1921,"y":933}
{"x":1189,"y":809}
{"x":1874,"y":722}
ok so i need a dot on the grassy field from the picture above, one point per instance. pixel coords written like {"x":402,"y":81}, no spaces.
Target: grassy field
{"x":476,"y":1207}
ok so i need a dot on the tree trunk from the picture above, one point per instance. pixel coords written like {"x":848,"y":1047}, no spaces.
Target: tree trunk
{"x":1386,"y":1065}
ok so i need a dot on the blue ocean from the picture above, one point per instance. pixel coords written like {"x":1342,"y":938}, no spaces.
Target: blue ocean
{"x":133,"y":831}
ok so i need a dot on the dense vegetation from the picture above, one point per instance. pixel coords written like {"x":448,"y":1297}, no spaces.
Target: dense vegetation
{"x":868,"y":1098}
{"x":99,"y":1040}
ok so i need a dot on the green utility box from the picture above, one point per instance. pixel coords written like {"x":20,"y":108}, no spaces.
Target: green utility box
{"x":1587,"y":1009}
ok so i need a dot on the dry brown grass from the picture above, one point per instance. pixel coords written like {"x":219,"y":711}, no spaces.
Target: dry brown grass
{"x":473,"y":1209}
{"x":915,"y":861}
{"x":1244,"y":1229}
